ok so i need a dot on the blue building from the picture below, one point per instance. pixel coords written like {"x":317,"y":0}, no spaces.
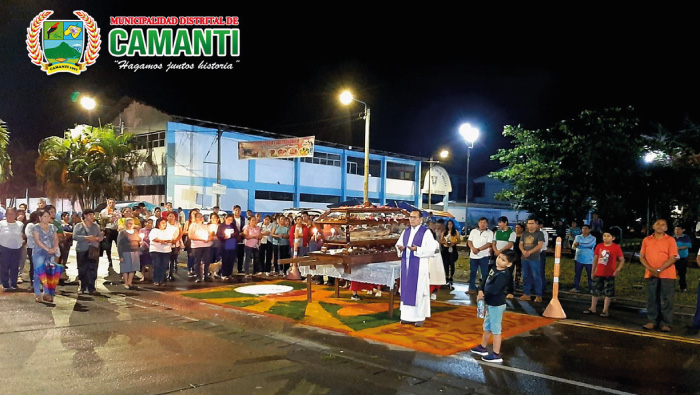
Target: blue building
{"x":189,"y":166}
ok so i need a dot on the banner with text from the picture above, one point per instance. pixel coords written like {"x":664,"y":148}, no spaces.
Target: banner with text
{"x":298,"y":147}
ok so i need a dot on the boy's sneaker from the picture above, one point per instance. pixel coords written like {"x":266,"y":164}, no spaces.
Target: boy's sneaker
{"x":574,"y":290}
{"x":493,"y":357}
{"x":480,"y":350}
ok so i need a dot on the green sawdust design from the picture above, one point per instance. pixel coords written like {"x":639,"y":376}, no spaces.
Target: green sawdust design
{"x":295,"y":310}
{"x":297,"y":285}
{"x":216,"y":294}
{"x":243,"y":303}
{"x":360,"y":322}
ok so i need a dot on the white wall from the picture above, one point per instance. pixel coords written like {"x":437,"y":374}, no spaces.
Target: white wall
{"x":400,"y":187}
{"x":320,"y":176}
{"x":271,"y":206}
{"x":274,"y":171}
{"x":357,"y":183}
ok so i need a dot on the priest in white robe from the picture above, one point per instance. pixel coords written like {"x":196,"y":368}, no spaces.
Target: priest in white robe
{"x":415,"y":245}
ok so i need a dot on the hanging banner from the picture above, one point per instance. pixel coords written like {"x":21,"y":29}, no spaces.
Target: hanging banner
{"x":437,"y":181}
{"x":298,"y":147}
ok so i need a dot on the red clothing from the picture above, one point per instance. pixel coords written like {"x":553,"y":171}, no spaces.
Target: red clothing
{"x":164,"y":215}
{"x":606,"y":258}
{"x":658,"y":251}
{"x":306,"y":235}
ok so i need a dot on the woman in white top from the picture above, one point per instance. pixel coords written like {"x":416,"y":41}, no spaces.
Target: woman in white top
{"x":161,"y":245}
{"x":10,"y":249}
{"x":200,"y":236}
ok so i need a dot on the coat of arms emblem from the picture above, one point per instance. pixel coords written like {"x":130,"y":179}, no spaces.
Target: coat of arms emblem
{"x":67,"y":46}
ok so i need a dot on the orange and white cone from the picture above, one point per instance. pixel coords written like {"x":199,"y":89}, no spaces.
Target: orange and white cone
{"x":554,"y":309}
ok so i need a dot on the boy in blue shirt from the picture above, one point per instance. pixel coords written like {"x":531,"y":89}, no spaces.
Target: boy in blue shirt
{"x":493,"y":291}
{"x":584,"y":244}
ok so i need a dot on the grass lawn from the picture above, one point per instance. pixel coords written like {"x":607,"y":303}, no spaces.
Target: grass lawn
{"x":629,"y":284}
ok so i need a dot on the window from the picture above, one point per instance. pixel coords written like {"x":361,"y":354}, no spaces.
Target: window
{"x":150,"y":189}
{"x":273,"y":195}
{"x":307,"y":197}
{"x":149,"y":140}
{"x":400,"y":171}
{"x":357,"y":166}
{"x":322,"y":158}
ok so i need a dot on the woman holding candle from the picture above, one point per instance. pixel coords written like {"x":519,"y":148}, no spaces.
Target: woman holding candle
{"x":200,"y":243}
{"x":252,"y":236}
{"x":175,"y":228}
{"x":227,"y":233}
{"x":214,"y":223}
{"x":160,"y":247}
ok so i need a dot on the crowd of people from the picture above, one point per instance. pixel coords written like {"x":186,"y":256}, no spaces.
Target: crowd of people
{"x":149,"y":243}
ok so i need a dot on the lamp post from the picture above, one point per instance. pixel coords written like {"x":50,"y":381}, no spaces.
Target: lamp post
{"x":469,"y":134}
{"x":649,"y":158}
{"x":443,"y":155}
{"x":346,"y":98}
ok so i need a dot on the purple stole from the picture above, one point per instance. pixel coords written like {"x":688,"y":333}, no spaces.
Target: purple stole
{"x":409,"y":273}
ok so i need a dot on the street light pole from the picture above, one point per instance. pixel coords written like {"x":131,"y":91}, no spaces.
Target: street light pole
{"x":466,"y":199}
{"x":366,"y":191}
{"x":346,"y":98}
{"x":470,"y":134}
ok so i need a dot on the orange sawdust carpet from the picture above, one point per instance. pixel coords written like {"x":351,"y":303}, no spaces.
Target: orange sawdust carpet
{"x":450,"y":330}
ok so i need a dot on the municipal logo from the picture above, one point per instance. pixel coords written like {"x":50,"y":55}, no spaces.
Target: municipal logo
{"x":63,"y":46}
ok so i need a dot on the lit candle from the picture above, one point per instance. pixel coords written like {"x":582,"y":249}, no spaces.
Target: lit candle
{"x":315,"y":233}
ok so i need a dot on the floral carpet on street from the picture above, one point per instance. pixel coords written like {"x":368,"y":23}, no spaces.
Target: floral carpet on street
{"x":450,"y":330}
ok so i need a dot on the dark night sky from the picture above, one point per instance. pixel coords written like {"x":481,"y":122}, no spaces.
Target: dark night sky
{"x":422,"y":72}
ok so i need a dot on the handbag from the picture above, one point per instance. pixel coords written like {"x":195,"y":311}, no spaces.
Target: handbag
{"x":93,"y":253}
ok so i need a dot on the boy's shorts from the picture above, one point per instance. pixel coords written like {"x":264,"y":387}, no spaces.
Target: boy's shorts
{"x":494,"y":316}
{"x":604,"y":286}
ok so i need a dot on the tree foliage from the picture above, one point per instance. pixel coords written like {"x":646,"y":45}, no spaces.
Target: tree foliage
{"x":595,"y":162}
{"x":88,"y":165}
{"x":576,"y":166}
{"x":5,"y":162}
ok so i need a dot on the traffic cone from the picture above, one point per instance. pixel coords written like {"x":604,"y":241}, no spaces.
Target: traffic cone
{"x":554,"y":309}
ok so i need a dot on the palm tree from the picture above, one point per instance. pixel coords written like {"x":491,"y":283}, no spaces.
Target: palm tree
{"x":85,"y":164}
{"x":5,"y":162}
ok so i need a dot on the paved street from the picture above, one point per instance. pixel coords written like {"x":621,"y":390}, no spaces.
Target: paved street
{"x":152,"y":341}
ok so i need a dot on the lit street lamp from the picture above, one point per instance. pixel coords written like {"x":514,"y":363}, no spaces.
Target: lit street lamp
{"x":649,"y":158}
{"x":346,"y":98}
{"x":469,"y":134}
{"x":89,"y":104}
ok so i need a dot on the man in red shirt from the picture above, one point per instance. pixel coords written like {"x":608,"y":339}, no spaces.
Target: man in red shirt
{"x":658,"y":255}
